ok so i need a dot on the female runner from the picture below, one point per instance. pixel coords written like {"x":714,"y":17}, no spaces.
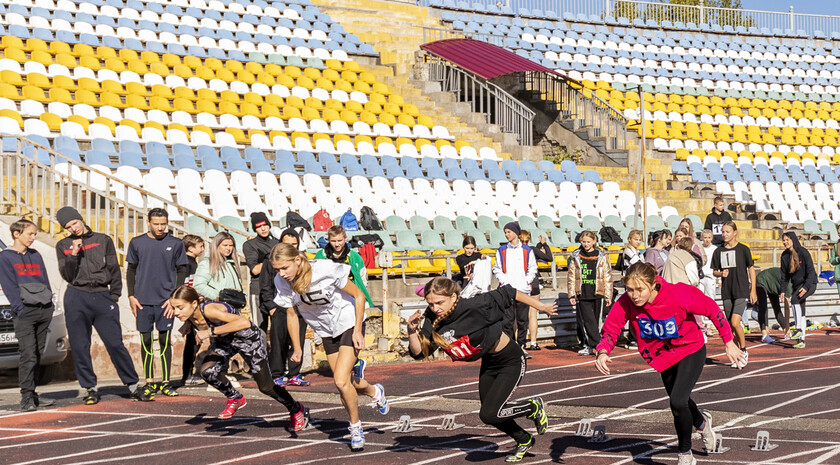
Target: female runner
{"x":471,"y":329}
{"x":232,"y":333}
{"x":662,"y":317}
{"x":335,"y":309}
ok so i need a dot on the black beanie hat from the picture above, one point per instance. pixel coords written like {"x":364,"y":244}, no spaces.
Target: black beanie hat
{"x":67,"y":214}
{"x":259,"y":219}
{"x":289,"y":232}
{"x":514,"y":226}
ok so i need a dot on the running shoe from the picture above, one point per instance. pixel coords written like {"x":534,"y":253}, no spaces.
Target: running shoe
{"x":141,"y":394}
{"x":525,"y":354}
{"x":518,"y":453}
{"x":153,"y":386}
{"x":534,"y":346}
{"x":708,"y":433}
{"x":28,"y":405}
{"x":799,"y":345}
{"x":43,"y":402}
{"x":585,"y":351}
{"x":299,"y":420}
{"x":149,"y":390}
{"x":767,"y":339}
{"x":280,"y":381}
{"x":92,"y":397}
{"x":687,"y":459}
{"x":796,"y":334}
{"x":357,"y":438}
{"x":539,"y":416}
{"x":297,"y":380}
{"x":632,"y":345}
{"x":747,"y":329}
{"x":359,"y":369}
{"x":232,"y":406}
{"x":380,"y":402}
{"x":167,"y":390}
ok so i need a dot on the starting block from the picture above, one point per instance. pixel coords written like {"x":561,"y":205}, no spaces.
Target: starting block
{"x":719,"y":449}
{"x":585,"y":428}
{"x":599,"y":435}
{"x":449,"y":424}
{"x":404,"y":425}
{"x":762,"y":442}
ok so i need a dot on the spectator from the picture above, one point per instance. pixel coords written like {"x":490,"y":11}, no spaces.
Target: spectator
{"x":220,"y":270}
{"x":590,"y":287}
{"x":23,"y":277}
{"x":656,"y":254}
{"x":339,"y":251}
{"x":687,"y":225}
{"x":465,"y":260}
{"x":768,"y":284}
{"x":834,"y":259}
{"x":194,"y":336}
{"x":630,"y":255}
{"x":798,"y":270}
{"x":256,"y":251}
{"x":542,"y":257}
{"x":733,"y":263}
{"x":715,"y":221}
{"x":681,"y":266}
{"x":515,"y":265}
{"x":709,"y":282}
{"x":157,"y":264}
{"x":88,"y":262}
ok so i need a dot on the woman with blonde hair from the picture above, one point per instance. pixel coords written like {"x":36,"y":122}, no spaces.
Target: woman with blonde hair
{"x":220,"y":270}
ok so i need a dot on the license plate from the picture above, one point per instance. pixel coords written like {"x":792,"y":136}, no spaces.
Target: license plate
{"x":8,"y":338}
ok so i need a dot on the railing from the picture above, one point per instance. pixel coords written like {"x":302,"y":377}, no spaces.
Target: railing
{"x":586,"y":112}
{"x":498,"y":107}
{"x":38,"y":180}
{"x":433,"y":34}
{"x":775,"y":22}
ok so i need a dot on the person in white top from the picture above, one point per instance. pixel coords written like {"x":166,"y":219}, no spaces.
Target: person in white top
{"x":516,"y":266}
{"x":708,"y":284}
{"x":335,"y":309}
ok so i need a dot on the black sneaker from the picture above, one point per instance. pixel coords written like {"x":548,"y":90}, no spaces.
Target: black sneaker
{"x":518,"y":453}
{"x":45,"y":402}
{"x":92,"y":397}
{"x":27,"y":404}
{"x":144,"y":394}
{"x":167,"y":390}
{"x":539,"y":416}
{"x":534,"y":346}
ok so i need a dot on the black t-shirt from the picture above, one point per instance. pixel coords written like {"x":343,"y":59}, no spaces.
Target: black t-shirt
{"x":737,"y":260}
{"x":474,"y":327}
{"x":157,"y":261}
{"x":256,"y":250}
{"x":464,"y":260}
{"x":588,"y":270}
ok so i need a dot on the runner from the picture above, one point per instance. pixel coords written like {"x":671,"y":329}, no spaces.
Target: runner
{"x":472,"y":329}
{"x":662,"y":316}
{"x":798,"y":270}
{"x":232,"y":333}
{"x":335,"y":309}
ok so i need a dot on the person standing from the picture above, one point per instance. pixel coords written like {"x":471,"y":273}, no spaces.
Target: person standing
{"x":256,"y":250}
{"x":834,"y":259}
{"x":656,"y":253}
{"x":768,"y":282}
{"x":733,"y":263}
{"x":716,"y":219}
{"x":798,"y":270}
{"x":88,"y":262}
{"x":542,"y":253}
{"x":708,"y":282}
{"x":23,"y":278}
{"x":589,"y":286}
{"x":682,"y":266}
{"x":157,"y":264}
{"x":515,"y":265}
{"x":194,"y":247}
{"x":465,"y":260}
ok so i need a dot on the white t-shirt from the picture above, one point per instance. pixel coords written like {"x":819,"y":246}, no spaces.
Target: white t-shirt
{"x":326,"y":308}
{"x":707,"y":268}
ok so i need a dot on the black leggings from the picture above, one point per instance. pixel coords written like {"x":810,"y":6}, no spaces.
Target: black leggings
{"x":500,"y":374}
{"x":190,"y":351}
{"x":149,"y":355}
{"x":763,"y":317}
{"x":679,"y":381}
{"x":588,"y":315}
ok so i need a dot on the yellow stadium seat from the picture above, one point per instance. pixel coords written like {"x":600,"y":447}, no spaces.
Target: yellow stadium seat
{"x":308,"y":114}
{"x":34,"y":93}
{"x":368,"y":117}
{"x":182,"y":104}
{"x":229,"y":107}
{"x":182,"y":71}
{"x":106,"y":122}
{"x":160,"y":103}
{"x":42,"y":56}
{"x":12,"y":114}
{"x":270,"y":110}
{"x":234,"y":66}
{"x":149,"y":57}
{"x":8,"y":41}
{"x":425,"y":121}
{"x":342,"y":137}
{"x":407,"y":120}
{"x":387,"y":118}
{"x":246,"y":76}
{"x":361,"y":87}
{"x":349,"y":117}
{"x":341,"y":84}
{"x":53,"y":121}
{"x":80,"y":120}
{"x":11,"y":77}
{"x":56,"y":95}
{"x":229,"y":96}
{"x":184,"y":92}
{"x":109,"y":98}
{"x":225,"y":75}
{"x":15,"y":54}
{"x":291,"y":112}
{"x":254,"y":68}
{"x":373,"y":107}
{"x":441,"y":143}
{"x":698,"y":153}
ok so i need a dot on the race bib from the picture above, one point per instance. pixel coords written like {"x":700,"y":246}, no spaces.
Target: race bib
{"x":461,"y":350}
{"x":717,"y":229}
{"x":658,"y":329}
{"x":727,"y":259}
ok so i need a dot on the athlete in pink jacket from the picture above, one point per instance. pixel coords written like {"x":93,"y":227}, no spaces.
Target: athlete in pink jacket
{"x":661,"y":316}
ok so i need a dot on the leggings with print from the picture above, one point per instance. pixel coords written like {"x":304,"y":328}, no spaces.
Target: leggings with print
{"x":500,"y":374}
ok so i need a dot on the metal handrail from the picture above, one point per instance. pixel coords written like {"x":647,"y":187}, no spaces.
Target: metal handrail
{"x":31,"y":186}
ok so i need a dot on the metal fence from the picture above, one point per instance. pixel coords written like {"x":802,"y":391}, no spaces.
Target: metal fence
{"x":35,"y":180}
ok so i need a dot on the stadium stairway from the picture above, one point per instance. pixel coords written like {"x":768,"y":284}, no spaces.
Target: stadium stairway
{"x":395,"y":30}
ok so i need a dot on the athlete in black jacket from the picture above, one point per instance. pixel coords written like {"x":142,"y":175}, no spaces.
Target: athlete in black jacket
{"x":88,"y":262}
{"x":798,"y":270}
{"x":471,"y":329}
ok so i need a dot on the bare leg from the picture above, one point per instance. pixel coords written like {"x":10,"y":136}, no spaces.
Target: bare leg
{"x":341,"y":364}
{"x":532,"y":325}
{"x":738,"y":329}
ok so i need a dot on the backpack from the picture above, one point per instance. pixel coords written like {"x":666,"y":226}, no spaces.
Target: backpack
{"x":321,"y":221}
{"x":359,"y":240}
{"x":348,"y":221}
{"x":369,"y":221}
{"x":620,"y":264}
{"x":294,"y":221}
{"x":368,"y":253}
{"x":609,"y":234}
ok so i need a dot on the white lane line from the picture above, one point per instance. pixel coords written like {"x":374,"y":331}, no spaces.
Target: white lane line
{"x":65,"y":430}
{"x":735,"y":421}
{"x":819,"y":412}
{"x":822,"y":458}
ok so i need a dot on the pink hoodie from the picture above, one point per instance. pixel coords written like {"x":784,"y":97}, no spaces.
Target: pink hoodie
{"x":665,"y":329}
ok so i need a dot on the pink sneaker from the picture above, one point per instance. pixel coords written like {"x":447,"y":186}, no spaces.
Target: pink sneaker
{"x":232,"y":406}
{"x":300,"y":420}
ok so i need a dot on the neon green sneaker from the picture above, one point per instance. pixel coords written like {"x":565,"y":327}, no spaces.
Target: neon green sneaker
{"x":539,"y":416}
{"x":519,"y":452}
{"x":799,"y":345}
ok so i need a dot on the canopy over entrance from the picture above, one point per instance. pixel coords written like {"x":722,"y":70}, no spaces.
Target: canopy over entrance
{"x":483,"y":59}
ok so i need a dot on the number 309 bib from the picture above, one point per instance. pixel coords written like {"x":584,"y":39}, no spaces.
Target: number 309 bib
{"x":658,"y":329}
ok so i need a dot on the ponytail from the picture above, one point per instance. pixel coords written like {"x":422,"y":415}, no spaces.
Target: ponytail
{"x":439,"y":286}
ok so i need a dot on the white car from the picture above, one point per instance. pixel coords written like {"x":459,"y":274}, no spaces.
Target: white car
{"x":57,"y":342}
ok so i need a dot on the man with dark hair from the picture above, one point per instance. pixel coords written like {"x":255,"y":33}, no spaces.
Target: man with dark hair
{"x":256,"y":252}
{"x":515,"y":265}
{"x":157,"y":264}
{"x":88,"y":262}
{"x":715,"y":220}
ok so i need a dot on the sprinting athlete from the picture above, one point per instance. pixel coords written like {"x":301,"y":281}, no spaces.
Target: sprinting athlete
{"x":232,"y":333}
{"x":335,"y":309}
{"x":662,"y":317}
{"x":472,"y":329}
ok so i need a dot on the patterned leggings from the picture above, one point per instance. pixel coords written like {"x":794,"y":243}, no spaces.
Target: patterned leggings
{"x":250,"y":343}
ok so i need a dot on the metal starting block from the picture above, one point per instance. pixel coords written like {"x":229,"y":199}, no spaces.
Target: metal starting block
{"x":719,"y":449}
{"x":762,"y":442}
{"x":404,"y":425}
{"x":599,"y":435}
{"x":585,"y":428}
{"x":449,"y":424}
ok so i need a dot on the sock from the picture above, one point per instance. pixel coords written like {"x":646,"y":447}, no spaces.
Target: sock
{"x":95,"y":389}
{"x":358,"y":424}
{"x":377,"y":394}
{"x":132,"y":388}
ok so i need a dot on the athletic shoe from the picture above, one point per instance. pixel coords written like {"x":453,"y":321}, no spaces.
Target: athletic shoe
{"x":167,"y":390}
{"x":585,"y":351}
{"x":539,"y":416}
{"x":153,"y":386}
{"x":28,"y":405}
{"x":232,"y":406}
{"x":297,"y":380}
{"x":91,"y":398}
{"x":357,"y":438}
{"x":149,"y":391}
{"x":518,"y":453}
{"x":746,"y":359}
{"x":280,"y":381}
{"x":382,"y":404}
{"x":45,"y":402}
{"x":799,"y":345}
{"x":525,"y":354}
{"x":796,"y":335}
{"x":632,"y":346}
{"x":767,"y":339}
{"x":687,"y":459}
{"x":359,"y":369}
{"x":534,"y":346}
{"x":143,"y":394}
{"x":747,"y":330}
{"x":708,"y":433}
{"x":300,"y":420}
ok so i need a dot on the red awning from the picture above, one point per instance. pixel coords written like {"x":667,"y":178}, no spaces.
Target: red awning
{"x":482,"y":58}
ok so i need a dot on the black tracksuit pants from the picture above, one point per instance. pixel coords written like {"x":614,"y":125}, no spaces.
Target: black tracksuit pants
{"x":281,"y":345}
{"x":588,"y":315}
{"x":500,"y":374}
{"x":763,"y":317}
{"x":31,"y":332}
{"x":517,"y":314}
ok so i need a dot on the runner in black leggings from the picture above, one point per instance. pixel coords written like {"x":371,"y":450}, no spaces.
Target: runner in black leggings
{"x":798,"y":270}
{"x":232,"y":333}
{"x":471,"y":329}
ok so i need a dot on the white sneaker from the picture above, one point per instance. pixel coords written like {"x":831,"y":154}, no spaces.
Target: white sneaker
{"x":585,"y":351}
{"x":381,"y":403}
{"x":708,"y":433}
{"x":357,"y":438}
{"x":687,"y":459}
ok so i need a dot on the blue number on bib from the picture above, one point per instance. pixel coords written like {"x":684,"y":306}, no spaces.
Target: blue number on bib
{"x":658,"y":329}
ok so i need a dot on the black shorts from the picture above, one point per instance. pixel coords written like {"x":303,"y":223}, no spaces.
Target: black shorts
{"x":151,"y":316}
{"x":734,"y":307}
{"x":332,"y":344}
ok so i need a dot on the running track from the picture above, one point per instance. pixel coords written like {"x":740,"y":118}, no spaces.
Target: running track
{"x":793,"y":394}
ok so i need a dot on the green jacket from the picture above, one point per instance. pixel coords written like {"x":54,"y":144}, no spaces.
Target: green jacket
{"x":834,"y":259}
{"x":208,"y":286}
{"x":771,"y":280}
{"x":357,"y":267}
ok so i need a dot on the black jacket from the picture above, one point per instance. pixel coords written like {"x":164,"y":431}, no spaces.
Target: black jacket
{"x":95,"y":268}
{"x":542,"y":252}
{"x":266,"y":287}
{"x":713,"y":219}
{"x":804,"y":277}
{"x":256,"y":250}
